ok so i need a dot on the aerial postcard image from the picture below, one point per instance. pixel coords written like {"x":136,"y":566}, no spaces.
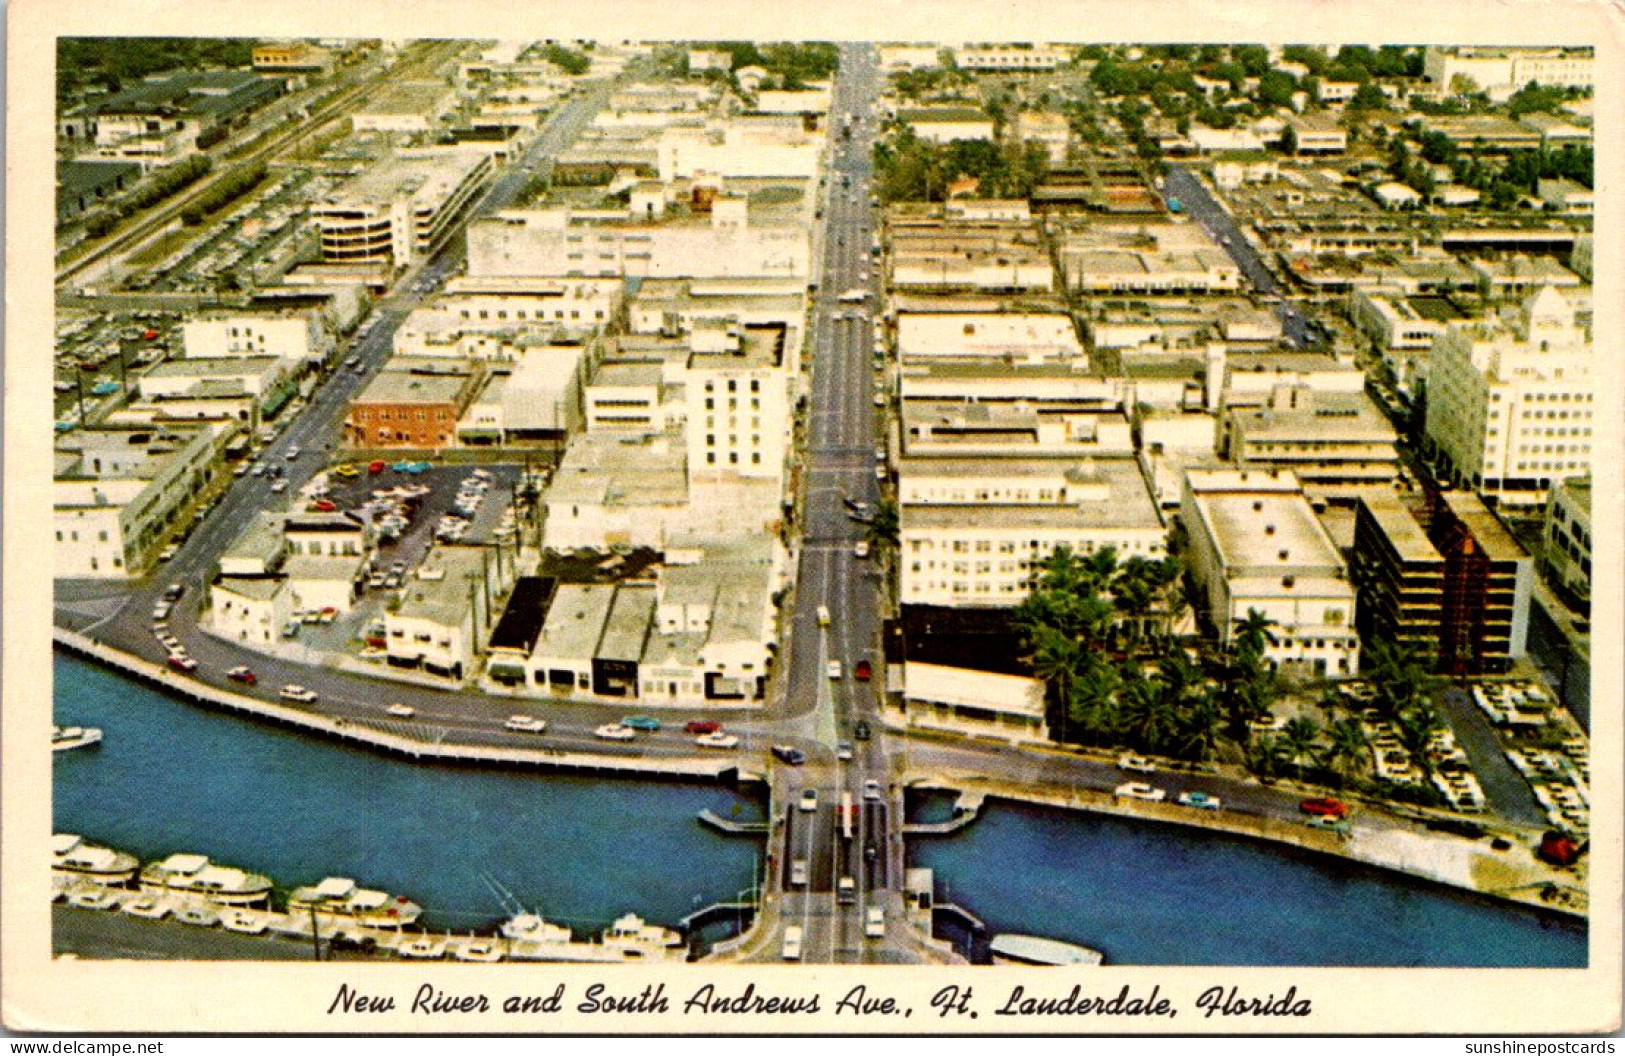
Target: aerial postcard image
{"x":639,"y":521}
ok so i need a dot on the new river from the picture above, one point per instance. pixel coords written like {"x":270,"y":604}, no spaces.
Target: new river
{"x":171,"y":776}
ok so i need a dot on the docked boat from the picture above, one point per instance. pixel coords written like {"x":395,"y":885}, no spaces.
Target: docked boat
{"x":194,"y":874}
{"x":1030,"y":950}
{"x":74,"y":856}
{"x":630,"y":933}
{"x":528,"y":927}
{"x":477,"y":950}
{"x":66,"y":738}
{"x":339,"y":896}
{"x":422,"y":948}
{"x":147,"y":907}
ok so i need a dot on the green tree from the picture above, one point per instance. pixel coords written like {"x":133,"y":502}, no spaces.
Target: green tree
{"x":1298,"y":739}
{"x":1345,"y":751}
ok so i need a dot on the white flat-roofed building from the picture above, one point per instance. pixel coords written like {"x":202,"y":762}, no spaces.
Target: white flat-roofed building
{"x":1318,"y":134}
{"x":1501,"y":71}
{"x":1010,"y":57}
{"x":973,"y":530}
{"x":962,"y":700}
{"x":1251,"y":377}
{"x":738,"y":395}
{"x":947,"y":124}
{"x":446,"y":609}
{"x":118,"y":491}
{"x":1255,"y":544}
{"x":400,"y":208}
{"x":1333,"y":441}
{"x":1150,"y":259}
{"x":409,"y":106}
{"x":613,"y":490}
{"x":677,"y":306}
{"x":243,"y":388}
{"x":1063,"y":387}
{"x":1566,"y":538}
{"x":714,"y":622}
{"x":769,"y":147}
{"x":1015,"y":337}
{"x":1047,"y":128}
{"x":895,"y":57}
{"x":968,"y":253}
{"x":1510,"y":400}
{"x":736,"y":240}
{"x":505,"y":305}
{"x":561,"y":661}
{"x":297,"y":335}
{"x":250,"y":608}
{"x":1018,"y":429}
{"x":629,"y":397}
{"x":805,"y":101}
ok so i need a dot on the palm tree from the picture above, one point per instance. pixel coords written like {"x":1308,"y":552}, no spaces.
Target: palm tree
{"x":1345,"y":749}
{"x":882,"y":533}
{"x":1057,"y":662}
{"x":1251,"y":634}
{"x":1298,"y":738}
{"x":1199,"y":725}
{"x":1417,"y":725}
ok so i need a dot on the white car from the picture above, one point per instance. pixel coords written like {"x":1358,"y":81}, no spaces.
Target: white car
{"x":874,"y":923}
{"x":298,"y":694}
{"x":279,"y":485}
{"x":1137,"y":763}
{"x":871,"y":790}
{"x":1140,"y":790}
{"x":792,"y":943}
{"x":834,"y":669}
{"x":717,"y":740}
{"x":809,"y":801}
{"x":614,"y":731}
{"x":401,"y":711}
{"x":861,"y":550}
{"x":525,"y":724}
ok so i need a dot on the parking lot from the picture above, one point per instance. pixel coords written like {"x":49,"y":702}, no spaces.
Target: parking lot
{"x":414,"y":510}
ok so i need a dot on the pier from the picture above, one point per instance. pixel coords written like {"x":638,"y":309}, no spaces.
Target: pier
{"x":727,"y":826}
{"x":966,"y":810}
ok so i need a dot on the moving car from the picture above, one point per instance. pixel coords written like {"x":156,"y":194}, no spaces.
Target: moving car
{"x":1140,"y":790}
{"x":243,"y":675}
{"x":702,"y":726}
{"x":401,"y":711}
{"x":182,"y":662}
{"x":641,"y":722}
{"x":798,"y":872}
{"x":861,"y":731}
{"x":834,"y":669}
{"x":809,"y":800}
{"x":843,"y":750}
{"x":787,"y":753}
{"x":823,"y":616}
{"x":1199,"y":800}
{"x":792,"y":943}
{"x":862,"y":670}
{"x":298,"y":694}
{"x":1137,"y":763}
{"x":717,"y":740}
{"x":871,"y":789}
{"x":1324,"y":806}
{"x":1328,"y":821}
{"x":860,"y":550}
{"x":874,"y":923}
{"x":525,"y":724}
{"x":614,"y":731}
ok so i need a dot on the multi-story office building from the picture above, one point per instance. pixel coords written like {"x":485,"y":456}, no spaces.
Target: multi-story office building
{"x":1255,"y":544}
{"x":972,"y":531}
{"x":1398,"y":573}
{"x":1566,"y":540}
{"x":1488,"y":584}
{"x":738,"y":395}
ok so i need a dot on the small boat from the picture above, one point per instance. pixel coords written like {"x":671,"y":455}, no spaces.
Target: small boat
{"x":93,"y":898}
{"x":481,"y":951}
{"x":77,"y":858}
{"x":631,"y":933}
{"x":528,"y":927}
{"x":66,"y":738}
{"x":338,"y":896}
{"x":243,"y":921}
{"x":193,"y":874}
{"x":198,"y":914}
{"x":1029,"y":949}
{"x":423,"y":948}
{"x":147,"y":907}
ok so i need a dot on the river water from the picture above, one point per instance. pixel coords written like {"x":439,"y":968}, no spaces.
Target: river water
{"x":1145,"y":893}
{"x":171,"y":776}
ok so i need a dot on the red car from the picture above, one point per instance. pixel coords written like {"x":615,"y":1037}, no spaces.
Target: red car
{"x":375,"y":467}
{"x":1324,"y":807}
{"x":182,"y":662}
{"x":698,"y":726}
{"x":862,"y":670}
{"x":323,"y":506}
{"x":243,"y":675}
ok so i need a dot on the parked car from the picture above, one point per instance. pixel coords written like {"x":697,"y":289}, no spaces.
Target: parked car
{"x":525,"y":724}
{"x":169,"y":551}
{"x":298,"y":694}
{"x":1329,"y":821}
{"x":790,"y":754}
{"x":1324,"y":806}
{"x":1140,"y":790}
{"x":182,"y":662}
{"x":1199,"y":800}
{"x":243,"y":675}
